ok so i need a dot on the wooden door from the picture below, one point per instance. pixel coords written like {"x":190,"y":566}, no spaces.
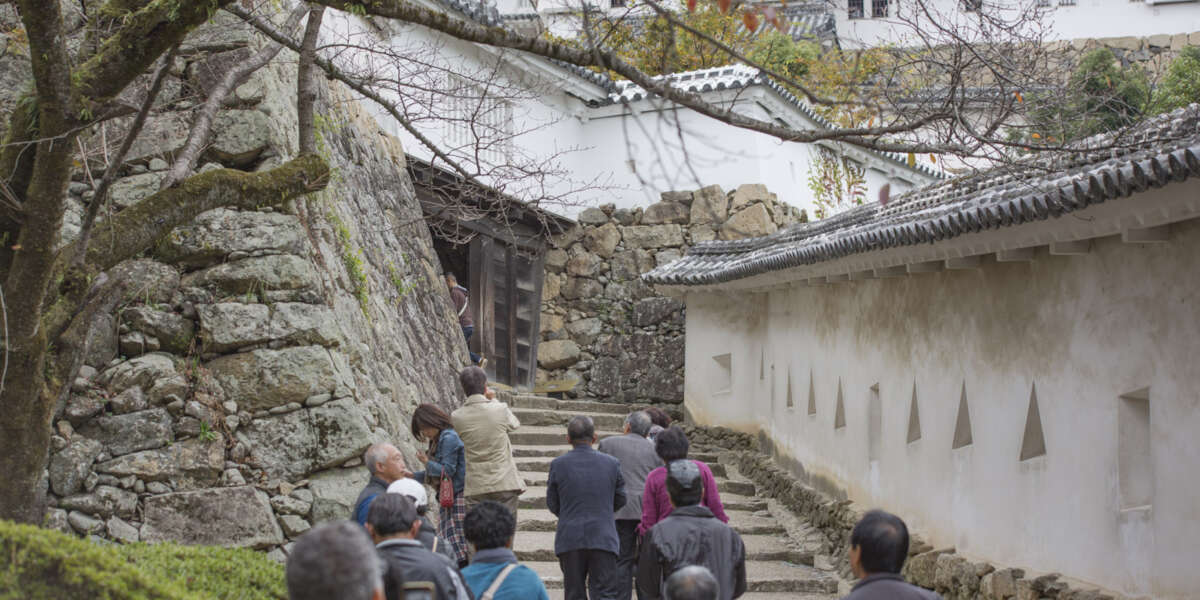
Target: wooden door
{"x":506,"y":290}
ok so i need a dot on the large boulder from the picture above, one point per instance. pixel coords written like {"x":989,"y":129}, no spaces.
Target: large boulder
{"x":709,"y":205}
{"x":101,"y":341}
{"x":240,"y":136}
{"x":227,"y":326}
{"x":558,"y":354}
{"x":207,"y":73}
{"x":292,"y":445}
{"x":334,"y":492}
{"x":263,"y":379}
{"x":71,"y":465}
{"x":105,"y":500}
{"x":651,"y":311}
{"x":257,"y":274}
{"x":581,"y":287}
{"x":214,"y":235}
{"x":753,"y":221}
{"x":582,"y":264}
{"x":234,"y":516}
{"x":150,"y":281}
{"x":592,"y":216}
{"x":602,"y":240}
{"x":128,"y":191}
{"x":747,"y":194}
{"x":653,"y":236}
{"x":154,"y":373}
{"x":174,"y":332}
{"x":131,"y":432}
{"x":661,"y":213}
{"x":189,"y":464}
{"x":162,"y":135}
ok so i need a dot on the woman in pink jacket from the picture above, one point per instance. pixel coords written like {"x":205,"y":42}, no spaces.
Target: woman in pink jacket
{"x":672,"y":444}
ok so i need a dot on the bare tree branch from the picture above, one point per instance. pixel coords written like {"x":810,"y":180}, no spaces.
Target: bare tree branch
{"x":117,"y":161}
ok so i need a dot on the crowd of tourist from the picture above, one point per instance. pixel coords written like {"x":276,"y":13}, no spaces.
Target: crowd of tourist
{"x":631,"y":509}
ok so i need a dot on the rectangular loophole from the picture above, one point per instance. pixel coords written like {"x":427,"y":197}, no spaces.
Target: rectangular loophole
{"x":875,"y":424}
{"x":722,"y":374}
{"x":1135,"y":469}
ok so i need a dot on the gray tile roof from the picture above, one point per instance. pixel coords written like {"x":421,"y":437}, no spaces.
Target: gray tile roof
{"x":811,"y":21}
{"x":1163,"y":150}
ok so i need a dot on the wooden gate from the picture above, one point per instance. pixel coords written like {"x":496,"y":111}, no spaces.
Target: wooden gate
{"x":506,"y":291}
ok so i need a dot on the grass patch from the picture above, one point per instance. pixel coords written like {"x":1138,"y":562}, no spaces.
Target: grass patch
{"x":43,"y":564}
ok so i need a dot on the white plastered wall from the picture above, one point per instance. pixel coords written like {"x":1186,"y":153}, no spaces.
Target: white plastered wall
{"x":1083,"y":329}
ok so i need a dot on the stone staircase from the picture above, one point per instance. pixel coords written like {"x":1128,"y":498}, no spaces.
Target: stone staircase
{"x":777,"y":566}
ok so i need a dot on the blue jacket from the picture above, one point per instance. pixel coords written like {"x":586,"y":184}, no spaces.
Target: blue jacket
{"x":521,"y":584}
{"x":447,"y":458}
{"x":584,"y":490}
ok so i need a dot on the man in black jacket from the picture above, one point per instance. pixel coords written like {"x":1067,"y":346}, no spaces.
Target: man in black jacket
{"x":584,"y":490}
{"x":691,"y":535}
{"x":878,"y":547}
{"x":394,"y":524}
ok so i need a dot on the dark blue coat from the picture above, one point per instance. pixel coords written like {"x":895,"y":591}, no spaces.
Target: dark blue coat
{"x":449,"y":459}
{"x":584,"y":490}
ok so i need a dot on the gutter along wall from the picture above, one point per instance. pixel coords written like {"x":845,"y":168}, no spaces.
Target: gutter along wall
{"x":1106,"y":341}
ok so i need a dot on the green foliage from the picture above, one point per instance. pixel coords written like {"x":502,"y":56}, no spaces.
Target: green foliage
{"x":835,"y":182}
{"x":353,"y":261}
{"x":206,"y":432}
{"x":780,"y":53}
{"x":399,"y":281}
{"x":1181,"y":85}
{"x":1100,"y":96}
{"x":42,"y":564}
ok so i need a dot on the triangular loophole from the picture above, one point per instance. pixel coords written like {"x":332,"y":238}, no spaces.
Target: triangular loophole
{"x":812,"y":395}
{"x":914,"y":418}
{"x":1033,"y":443}
{"x":762,"y":358}
{"x":962,"y":425}
{"x":839,"y":415}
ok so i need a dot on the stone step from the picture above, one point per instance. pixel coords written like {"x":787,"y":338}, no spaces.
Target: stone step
{"x":542,"y":465}
{"x":539,"y":546}
{"x":725,"y":486}
{"x":761,"y":576}
{"x":591,"y":406}
{"x":743,"y":522}
{"x":538,"y":417}
{"x":535,"y":497}
{"x":546,"y":435}
{"x":525,"y":451}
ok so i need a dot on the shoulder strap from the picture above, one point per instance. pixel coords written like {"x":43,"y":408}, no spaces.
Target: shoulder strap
{"x":496,"y":583}
{"x":436,"y":539}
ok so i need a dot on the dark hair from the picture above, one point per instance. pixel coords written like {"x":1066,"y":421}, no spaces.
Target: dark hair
{"x":685,"y":483}
{"x":671,"y":444}
{"x":391,"y":514}
{"x":658,"y":416}
{"x":334,"y":561}
{"x":429,"y":415}
{"x":473,"y":380}
{"x":882,"y":540}
{"x":489,"y":525}
{"x":693,"y":582}
{"x":581,"y":429}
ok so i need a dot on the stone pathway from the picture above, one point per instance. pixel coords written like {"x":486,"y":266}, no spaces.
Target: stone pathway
{"x":778,"y":566}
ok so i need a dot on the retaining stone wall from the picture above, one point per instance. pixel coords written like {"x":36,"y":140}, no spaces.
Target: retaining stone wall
{"x":228,"y":400}
{"x":601,"y":326}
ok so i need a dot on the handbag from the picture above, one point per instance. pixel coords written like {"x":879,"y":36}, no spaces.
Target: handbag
{"x":446,"y":492}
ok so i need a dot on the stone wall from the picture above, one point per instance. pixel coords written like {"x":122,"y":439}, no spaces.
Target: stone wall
{"x":601,"y":326}
{"x":229,"y":399}
{"x":1153,"y":53}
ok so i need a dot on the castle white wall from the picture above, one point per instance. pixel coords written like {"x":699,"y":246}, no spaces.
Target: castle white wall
{"x":1084,"y":330}
{"x":1084,"y":19}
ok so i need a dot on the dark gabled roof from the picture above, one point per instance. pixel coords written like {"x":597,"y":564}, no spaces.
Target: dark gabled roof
{"x":733,"y":77}
{"x":1163,"y":150}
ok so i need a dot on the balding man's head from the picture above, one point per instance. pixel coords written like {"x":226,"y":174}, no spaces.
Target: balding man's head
{"x":334,"y":561}
{"x":692,"y":583}
{"x":384,"y":461}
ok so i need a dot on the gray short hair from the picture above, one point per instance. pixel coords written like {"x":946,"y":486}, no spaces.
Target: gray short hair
{"x":374,"y":455}
{"x":692,"y":583}
{"x":639,"y":422}
{"x":334,"y":561}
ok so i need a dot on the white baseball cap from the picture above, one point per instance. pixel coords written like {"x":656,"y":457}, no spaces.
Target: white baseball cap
{"x":411,"y":488}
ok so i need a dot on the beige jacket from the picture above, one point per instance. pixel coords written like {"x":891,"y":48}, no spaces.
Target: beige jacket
{"x":483,"y":425}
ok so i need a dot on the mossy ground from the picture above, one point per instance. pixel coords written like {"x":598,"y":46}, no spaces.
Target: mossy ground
{"x":44,"y":564}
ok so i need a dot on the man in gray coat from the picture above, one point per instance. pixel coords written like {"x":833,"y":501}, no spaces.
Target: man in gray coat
{"x":637,"y":457}
{"x":878,"y":547}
